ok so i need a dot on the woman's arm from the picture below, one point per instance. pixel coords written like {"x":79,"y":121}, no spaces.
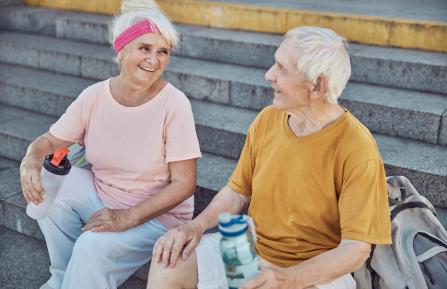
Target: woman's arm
{"x":181,"y":187}
{"x":32,"y":164}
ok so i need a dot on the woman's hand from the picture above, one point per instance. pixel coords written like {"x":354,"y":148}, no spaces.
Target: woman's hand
{"x":181,"y":240}
{"x":30,"y":180}
{"x":111,"y":220}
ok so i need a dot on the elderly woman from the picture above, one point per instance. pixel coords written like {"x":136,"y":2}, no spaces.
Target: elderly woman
{"x":139,"y":135}
{"x":311,"y":174}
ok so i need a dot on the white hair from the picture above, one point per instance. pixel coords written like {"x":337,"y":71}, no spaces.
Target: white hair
{"x":134,"y":11}
{"x":320,"y":51}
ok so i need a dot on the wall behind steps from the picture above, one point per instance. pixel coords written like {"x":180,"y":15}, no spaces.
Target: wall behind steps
{"x":10,"y":2}
{"x":419,"y":34}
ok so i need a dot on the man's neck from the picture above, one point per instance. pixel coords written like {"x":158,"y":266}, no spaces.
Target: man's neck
{"x":307,"y":120}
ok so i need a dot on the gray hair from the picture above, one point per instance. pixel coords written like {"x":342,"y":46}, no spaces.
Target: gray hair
{"x":134,"y":11}
{"x":321,"y":51}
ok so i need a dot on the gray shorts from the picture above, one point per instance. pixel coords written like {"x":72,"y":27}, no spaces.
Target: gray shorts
{"x":212,"y":273}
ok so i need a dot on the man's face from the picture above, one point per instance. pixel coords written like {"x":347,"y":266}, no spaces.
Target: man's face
{"x":291,"y":89}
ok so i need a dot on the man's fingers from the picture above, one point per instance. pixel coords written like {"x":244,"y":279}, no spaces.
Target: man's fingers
{"x":189,"y":248}
{"x":158,"y":250}
{"x":176,"y":250}
{"x":167,"y":247}
{"x":256,"y":282}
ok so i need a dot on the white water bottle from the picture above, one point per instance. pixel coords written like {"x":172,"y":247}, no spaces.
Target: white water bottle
{"x":52,"y":176}
{"x":237,"y":247}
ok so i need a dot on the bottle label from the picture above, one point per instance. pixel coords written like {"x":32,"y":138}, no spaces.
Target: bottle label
{"x":237,"y":275}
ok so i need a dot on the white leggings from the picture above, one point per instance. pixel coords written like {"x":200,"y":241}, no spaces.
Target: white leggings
{"x":91,"y":260}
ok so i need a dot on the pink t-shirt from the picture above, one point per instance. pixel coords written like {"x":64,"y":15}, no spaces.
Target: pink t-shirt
{"x":130,"y":147}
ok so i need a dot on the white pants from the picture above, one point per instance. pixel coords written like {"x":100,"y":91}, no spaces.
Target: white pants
{"x":91,"y":260}
{"x":211,"y":270}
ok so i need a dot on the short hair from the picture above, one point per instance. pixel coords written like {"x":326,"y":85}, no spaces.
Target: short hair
{"x":321,"y":51}
{"x":134,"y":11}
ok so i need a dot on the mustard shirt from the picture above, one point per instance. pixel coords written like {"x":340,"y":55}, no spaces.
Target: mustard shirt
{"x":308,"y":193}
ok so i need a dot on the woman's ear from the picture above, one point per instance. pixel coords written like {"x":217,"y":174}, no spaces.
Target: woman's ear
{"x":320,"y":87}
{"x":119,"y":56}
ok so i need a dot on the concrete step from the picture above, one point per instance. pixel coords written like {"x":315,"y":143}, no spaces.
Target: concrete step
{"x":375,"y":23}
{"x":384,"y":110}
{"x":25,"y":263}
{"x":6,"y":163}
{"x":403,"y":68}
{"x":221,"y":130}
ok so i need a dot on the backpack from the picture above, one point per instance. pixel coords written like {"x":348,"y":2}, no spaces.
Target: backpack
{"x":417,"y":259}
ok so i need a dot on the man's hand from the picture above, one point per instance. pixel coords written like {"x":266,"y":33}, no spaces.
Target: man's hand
{"x":110,"y":220}
{"x":272,"y":278}
{"x":178,"y":241}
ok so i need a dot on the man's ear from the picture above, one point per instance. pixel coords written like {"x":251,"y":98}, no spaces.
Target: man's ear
{"x":320,"y":87}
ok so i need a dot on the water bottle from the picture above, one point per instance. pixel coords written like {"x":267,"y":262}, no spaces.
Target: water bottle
{"x":52,"y":176}
{"x":237,"y":247}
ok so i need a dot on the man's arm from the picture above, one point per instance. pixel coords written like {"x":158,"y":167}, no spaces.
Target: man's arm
{"x":181,"y":241}
{"x":347,"y":257}
{"x":226,"y":200}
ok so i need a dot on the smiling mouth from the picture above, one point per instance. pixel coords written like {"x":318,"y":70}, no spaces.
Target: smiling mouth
{"x":146,"y":68}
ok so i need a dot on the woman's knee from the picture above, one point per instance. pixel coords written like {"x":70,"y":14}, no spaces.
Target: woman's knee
{"x":183,"y":275}
{"x":94,"y":245}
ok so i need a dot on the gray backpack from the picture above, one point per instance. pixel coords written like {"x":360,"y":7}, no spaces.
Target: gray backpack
{"x":417,"y":259}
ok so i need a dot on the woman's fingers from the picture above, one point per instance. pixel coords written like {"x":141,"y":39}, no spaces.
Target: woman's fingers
{"x":35,"y":182}
{"x":91,"y":225}
{"x":34,"y":196}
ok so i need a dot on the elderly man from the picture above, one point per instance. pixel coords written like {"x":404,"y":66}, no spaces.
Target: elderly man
{"x":311,"y":174}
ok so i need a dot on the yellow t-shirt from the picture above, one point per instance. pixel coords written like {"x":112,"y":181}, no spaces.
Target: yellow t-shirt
{"x":308,"y":193}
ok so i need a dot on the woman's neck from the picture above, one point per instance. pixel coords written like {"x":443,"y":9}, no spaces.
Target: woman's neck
{"x":131,"y":94}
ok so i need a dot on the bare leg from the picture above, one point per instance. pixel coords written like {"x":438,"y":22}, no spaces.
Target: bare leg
{"x":182,"y":276}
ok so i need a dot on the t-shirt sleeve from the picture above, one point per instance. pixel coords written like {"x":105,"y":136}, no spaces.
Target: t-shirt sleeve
{"x":181,"y":141}
{"x":71,"y":126}
{"x":241,"y":179}
{"x":363,"y":204}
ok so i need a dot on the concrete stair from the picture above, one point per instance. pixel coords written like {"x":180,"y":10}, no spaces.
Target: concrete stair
{"x":25,"y":261}
{"x":47,"y":57}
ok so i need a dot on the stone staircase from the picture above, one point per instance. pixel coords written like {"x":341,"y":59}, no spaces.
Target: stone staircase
{"x":47,"y":57}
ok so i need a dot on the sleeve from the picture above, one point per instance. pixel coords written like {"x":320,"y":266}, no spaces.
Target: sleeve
{"x":363,"y":204}
{"x":241,"y":179}
{"x":71,"y":126}
{"x":181,"y":141}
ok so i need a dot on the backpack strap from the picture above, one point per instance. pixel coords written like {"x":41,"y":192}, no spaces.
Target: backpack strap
{"x":430,"y":253}
{"x":368,"y":267}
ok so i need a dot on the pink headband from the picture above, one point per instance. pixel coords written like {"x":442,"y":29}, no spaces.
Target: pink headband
{"x":133,"y":32}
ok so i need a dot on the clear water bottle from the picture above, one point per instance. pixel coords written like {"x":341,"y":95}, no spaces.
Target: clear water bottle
{"x":237,"y":247}
{"x":52,"y":176}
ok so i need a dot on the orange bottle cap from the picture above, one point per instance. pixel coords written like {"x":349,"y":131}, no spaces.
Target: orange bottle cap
{"x":59,"y":155}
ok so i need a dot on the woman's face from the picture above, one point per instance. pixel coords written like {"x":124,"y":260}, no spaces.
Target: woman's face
{"x":144,"y":60}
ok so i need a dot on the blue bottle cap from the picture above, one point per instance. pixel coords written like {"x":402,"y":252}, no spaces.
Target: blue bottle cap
{"x":232,"y":225}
